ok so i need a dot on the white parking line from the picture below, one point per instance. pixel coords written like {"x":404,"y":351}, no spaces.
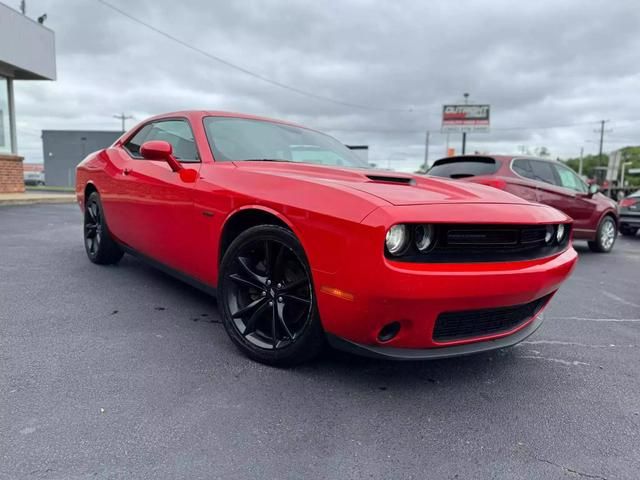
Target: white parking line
{"x":570,"y":363}
{"x":585,"y":319}
{"x":568,"y":344}
{"x":621,"y":300}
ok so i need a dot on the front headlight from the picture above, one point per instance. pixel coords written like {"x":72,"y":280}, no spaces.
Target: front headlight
{"x":560,"y":233}
{"x":423,"y":237}
{"x":397,"y":239}
{"x":548,"y":236}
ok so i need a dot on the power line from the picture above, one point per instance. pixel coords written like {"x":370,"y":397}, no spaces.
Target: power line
{"x":493,"y":129}
{"x":245,"y":70}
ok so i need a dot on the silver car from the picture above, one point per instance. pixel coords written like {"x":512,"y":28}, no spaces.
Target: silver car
{"x":630,"y":214}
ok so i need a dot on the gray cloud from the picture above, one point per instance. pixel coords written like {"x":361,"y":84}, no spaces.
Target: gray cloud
{"x":537,"y":63}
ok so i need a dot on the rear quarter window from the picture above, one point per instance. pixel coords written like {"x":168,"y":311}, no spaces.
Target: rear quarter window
{"x":463,"y":167}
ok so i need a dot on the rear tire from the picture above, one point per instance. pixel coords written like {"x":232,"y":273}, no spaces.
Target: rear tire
{"x":267,"y":298}
{"x":98,"y":244}
{"x":628,"y":231}
{"x":605,"y":236}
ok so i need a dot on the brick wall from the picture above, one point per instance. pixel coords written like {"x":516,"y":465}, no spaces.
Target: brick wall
{"x":11,"y":174}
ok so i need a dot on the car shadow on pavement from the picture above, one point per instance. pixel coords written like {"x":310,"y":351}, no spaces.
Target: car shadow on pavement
{"x":353,"y":369}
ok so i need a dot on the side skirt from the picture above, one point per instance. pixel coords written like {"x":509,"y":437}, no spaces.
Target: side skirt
{"x":208,"y":289}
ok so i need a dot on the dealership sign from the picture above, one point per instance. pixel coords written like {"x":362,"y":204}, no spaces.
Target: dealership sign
{"x":465,"y":118}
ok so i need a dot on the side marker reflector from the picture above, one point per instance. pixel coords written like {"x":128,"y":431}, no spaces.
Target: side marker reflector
{"x":336,"y":292}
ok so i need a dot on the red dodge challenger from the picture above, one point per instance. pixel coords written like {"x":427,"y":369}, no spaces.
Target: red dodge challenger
{"x":301,"y":242}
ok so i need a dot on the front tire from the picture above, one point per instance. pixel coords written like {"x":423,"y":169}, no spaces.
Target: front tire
{"x":98,"y":244}
{"x":267,"y":297}
{"x":605,"y":236}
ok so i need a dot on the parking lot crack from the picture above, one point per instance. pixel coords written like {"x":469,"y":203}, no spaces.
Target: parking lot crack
{"x":570,"y":470}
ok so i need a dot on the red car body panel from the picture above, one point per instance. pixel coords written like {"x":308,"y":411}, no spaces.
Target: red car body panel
{"x":340,"y":216}
{"x":586,"y":210}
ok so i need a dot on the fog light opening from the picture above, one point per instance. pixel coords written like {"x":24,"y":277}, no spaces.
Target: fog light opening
{"x":389,"y":331}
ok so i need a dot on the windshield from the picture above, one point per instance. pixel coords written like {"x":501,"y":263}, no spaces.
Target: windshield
{"x":240,"y":139}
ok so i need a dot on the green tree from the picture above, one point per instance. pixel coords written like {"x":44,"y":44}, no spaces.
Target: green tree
{"x":590,"y":162}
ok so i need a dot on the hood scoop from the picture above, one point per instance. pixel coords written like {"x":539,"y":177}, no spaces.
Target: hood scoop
{"x":391,"y":179}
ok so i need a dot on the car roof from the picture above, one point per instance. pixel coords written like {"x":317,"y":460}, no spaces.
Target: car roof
{"x":220,"y":113}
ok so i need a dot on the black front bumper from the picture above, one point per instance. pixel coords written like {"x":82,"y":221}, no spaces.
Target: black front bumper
{"x":630,"y":219}
{"x":391,"y":353}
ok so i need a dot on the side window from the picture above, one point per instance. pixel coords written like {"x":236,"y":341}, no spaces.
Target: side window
{"x":133,"y":145}
{"x":569,"y":179}
{"x":543,"y":171}
{"x":523,"y":168}
{"x":178,"y":133}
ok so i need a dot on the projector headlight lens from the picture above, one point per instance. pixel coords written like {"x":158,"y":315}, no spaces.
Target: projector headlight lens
{"x":396,"y":239}
{"x":423,"y":237}
{"x":548,"y":236}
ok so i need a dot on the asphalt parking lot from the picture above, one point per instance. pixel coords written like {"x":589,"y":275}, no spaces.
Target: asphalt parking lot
{"x":124,"y":372}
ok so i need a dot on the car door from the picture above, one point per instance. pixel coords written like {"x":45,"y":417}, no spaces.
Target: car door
{"x":575,"y":192}
{"x":159,"y":205}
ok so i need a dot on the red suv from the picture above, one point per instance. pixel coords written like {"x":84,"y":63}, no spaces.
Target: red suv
{"x":595,"y":216}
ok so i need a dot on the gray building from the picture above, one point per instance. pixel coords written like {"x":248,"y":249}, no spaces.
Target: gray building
{"x":27,"y":52}
{"x":62,"y":150}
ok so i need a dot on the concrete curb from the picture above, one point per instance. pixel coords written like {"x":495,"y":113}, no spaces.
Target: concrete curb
{"x":33,"y":201}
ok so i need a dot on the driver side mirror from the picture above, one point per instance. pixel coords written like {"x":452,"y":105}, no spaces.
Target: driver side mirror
{"x":593,"y":189}
{"x":161,"y":150}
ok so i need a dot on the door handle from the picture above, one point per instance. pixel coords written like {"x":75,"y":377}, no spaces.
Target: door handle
{"x":126,"y":171}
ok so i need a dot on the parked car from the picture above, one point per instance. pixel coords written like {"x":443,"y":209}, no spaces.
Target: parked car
{"x":34,"y":178}
{"x":595,"y":216}
{"x":630,"y":214}
{"x":300,"y":241}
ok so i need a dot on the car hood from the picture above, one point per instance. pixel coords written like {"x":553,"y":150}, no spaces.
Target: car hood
{"x":392,"y":187}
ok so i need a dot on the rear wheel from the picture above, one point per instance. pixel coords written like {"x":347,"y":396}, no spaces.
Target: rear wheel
{"x":605,"y":236}
{"x":267,"y":298}
{"x":98,"y":244}
{"x":628,"y":231}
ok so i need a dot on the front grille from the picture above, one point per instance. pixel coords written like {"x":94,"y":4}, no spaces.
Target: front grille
{"x":468,"y":243}
{"x":478,"y":323}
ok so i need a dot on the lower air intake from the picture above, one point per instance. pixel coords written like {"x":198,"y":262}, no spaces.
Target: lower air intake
{"x":478,"y":323}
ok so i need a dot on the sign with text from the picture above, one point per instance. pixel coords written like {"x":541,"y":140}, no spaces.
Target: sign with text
{"x":465,"y":118}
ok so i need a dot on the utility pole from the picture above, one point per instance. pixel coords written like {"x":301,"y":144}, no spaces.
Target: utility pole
{"x":602,"y":132}
{"x":122,"y":117}
{"x":426,"y":152}
{"x":23,"y":7}
{"x":464,"y":134}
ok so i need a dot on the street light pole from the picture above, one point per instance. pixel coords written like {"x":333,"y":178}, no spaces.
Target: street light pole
{"x":426,"y":152}
{"x":580,"y":164}
{"x":464,"y":134}
{"x":624,"y":166}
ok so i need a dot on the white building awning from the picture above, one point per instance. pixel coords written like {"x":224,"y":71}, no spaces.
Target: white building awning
{"x":27,"y":48}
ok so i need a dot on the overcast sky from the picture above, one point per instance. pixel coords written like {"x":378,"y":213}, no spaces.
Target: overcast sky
{"x":539,"y":64}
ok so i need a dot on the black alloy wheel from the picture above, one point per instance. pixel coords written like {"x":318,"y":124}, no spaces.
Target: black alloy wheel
{"x":92,"y":227}
{"x":99,"y":245}
{"x":267,"y":297}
